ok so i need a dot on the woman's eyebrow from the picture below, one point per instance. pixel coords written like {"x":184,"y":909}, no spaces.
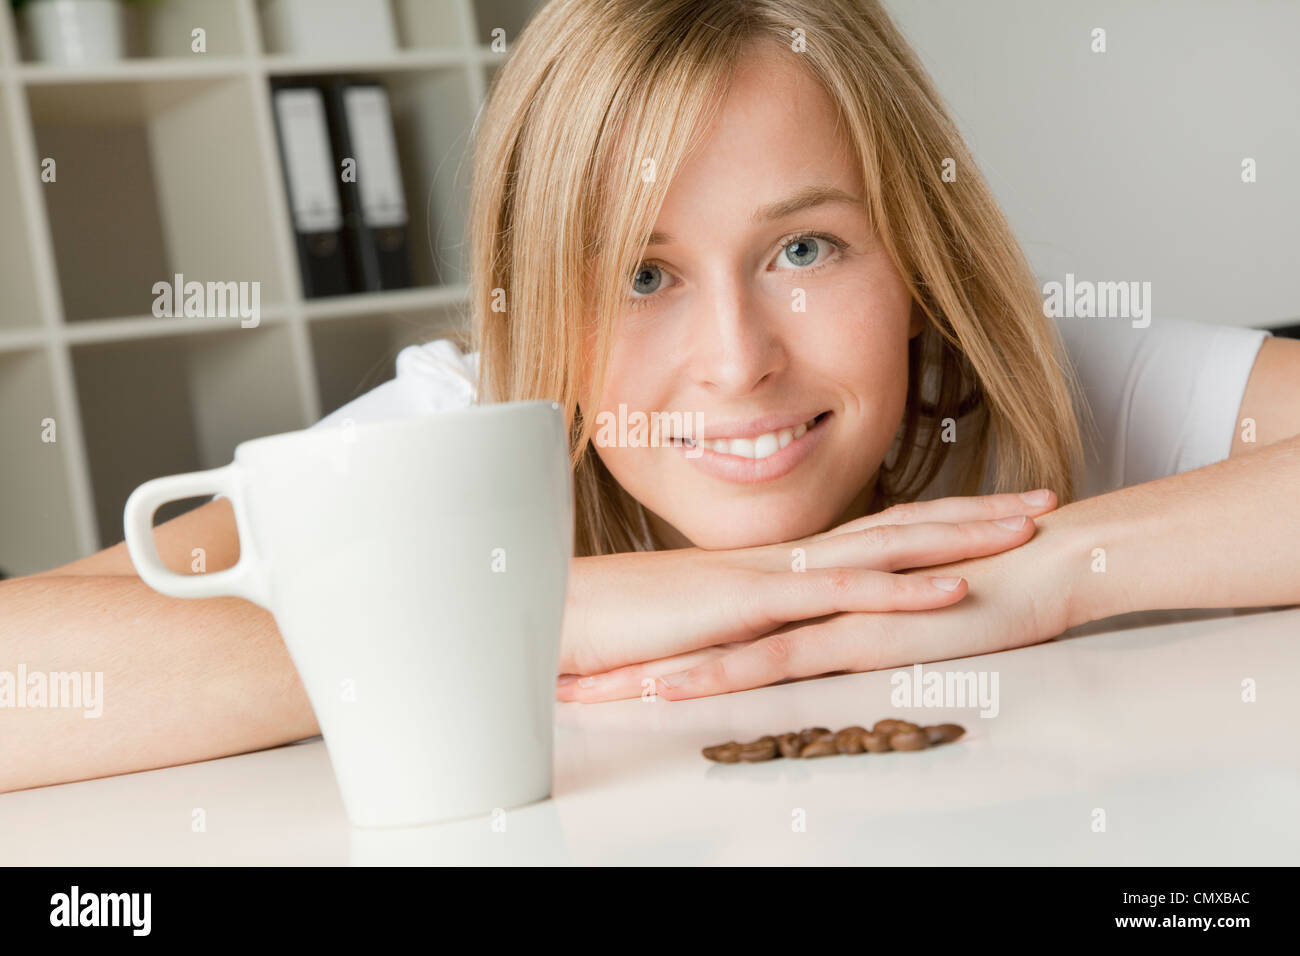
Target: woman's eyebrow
{"x":805,"y":198}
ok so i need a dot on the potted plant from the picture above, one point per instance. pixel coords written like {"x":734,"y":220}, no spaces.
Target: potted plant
{"x":72,"y":32}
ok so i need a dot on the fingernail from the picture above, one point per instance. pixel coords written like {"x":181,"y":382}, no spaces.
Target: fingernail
{"x":947,"y":584}
{"x":674,"y":680}
{"x":1035,"y":498}
{"x":588,"y":681}
{"x":1015,"y":524}
{"x":564,"y":680}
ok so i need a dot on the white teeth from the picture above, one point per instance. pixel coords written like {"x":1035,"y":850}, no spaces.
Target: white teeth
{"x":766,"y":444}
{"x":742,"y":448}
{"x":758,"y":447}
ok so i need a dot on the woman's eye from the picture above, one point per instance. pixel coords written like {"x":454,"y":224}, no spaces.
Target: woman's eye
{"x":804,"y":251}
{"x":647,"y":280}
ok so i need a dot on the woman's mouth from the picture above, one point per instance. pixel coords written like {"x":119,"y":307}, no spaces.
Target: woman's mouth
{"x":757,"y":458}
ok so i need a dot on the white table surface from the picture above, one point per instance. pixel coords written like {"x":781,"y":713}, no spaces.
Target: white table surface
{"x":1141,"y":716}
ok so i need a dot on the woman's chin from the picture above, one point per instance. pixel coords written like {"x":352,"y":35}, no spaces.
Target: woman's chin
{"x":713,"y":536}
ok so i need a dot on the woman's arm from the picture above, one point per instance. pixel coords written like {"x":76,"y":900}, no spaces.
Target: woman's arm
{"x":182,"y":680}
{"x":1226,"y":535}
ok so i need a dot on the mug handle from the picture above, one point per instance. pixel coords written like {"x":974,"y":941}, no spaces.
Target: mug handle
{"x":245,"y":579}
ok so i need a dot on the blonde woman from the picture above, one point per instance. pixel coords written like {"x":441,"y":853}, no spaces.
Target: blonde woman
{"x":736,"y":211}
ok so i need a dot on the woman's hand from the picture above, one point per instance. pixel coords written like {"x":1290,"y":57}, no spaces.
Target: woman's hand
{"x":628,"y":608}
{"x":1018,"y":596}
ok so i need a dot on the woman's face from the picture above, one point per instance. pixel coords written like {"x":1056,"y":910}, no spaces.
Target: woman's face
{"x":762,"y":305}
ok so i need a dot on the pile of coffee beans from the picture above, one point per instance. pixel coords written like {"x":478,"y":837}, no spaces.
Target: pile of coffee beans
{"x":886,"y":735}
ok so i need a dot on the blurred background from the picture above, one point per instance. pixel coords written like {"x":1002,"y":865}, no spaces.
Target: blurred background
{"x":146,"y":140}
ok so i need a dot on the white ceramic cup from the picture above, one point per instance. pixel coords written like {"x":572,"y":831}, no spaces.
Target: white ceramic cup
{"x":416,"y":569}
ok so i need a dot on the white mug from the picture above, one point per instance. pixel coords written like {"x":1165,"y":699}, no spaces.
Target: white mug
{"x":416,"y":569}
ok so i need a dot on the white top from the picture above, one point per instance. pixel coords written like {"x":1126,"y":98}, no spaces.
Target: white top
{"x":1164,"y":398}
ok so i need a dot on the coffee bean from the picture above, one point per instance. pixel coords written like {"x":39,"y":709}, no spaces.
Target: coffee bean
{"x":909,"y":740}
{"x":890,"y":727}
{"x":762,"y":749}
{"x":849,"y":740}
{"x":887,"y":734}
{"x":809,"y":734}
{"x":821,"y":747}
{"x":723,"y":753}
{"x":944,"y":733}
{"x":874,"y":743}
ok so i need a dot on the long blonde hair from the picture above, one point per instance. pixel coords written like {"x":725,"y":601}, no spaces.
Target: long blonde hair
{"x":597,"y":92}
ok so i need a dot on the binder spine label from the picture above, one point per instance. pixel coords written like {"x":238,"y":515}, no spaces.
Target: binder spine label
{"x":304,"y":136}
{"x":379,"y":177}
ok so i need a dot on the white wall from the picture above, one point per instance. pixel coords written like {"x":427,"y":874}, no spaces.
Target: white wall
{"x":1126,"y":165}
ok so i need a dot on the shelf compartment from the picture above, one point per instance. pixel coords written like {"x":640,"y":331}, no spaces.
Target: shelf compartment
{"x":417,"y":25}
{"x":159,"y":30}
{"x":332,"y":27}
{"x":510,"y":15}
{"x":165,"y":29}
{"x":19,"y":306}
{"x":8,"y":36}
{"x":167,"y":163}
{"x":431,"y":124}
{"x":37,"y":525}
{"x":432,"y":117}
{"x":356,"y":353}
{"x":430,"y":24}
{"x":178,"y":403}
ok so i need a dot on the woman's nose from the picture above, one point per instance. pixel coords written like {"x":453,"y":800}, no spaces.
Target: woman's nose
{"x":737,"y":343}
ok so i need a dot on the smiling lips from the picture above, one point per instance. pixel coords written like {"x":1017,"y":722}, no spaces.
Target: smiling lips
{"x":758,"y":447}
{"x":754,"y":458}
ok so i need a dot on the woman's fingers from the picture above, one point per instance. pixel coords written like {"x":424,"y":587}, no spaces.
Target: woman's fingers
{"x":893,"y":547}
{"x":852,"y":642}
{"x":633,"y":680}
{"x":782,"y":597}
{"x":847,"y":642}
{"x":956,"y":508}
{"x":779,"y":598}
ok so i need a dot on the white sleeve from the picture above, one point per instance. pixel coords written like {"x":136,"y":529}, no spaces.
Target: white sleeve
{"x":432,"y":377}
{"x":1164,"y":399}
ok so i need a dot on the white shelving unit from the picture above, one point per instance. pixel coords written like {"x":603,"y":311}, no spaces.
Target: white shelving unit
{"x":167,"y":162}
